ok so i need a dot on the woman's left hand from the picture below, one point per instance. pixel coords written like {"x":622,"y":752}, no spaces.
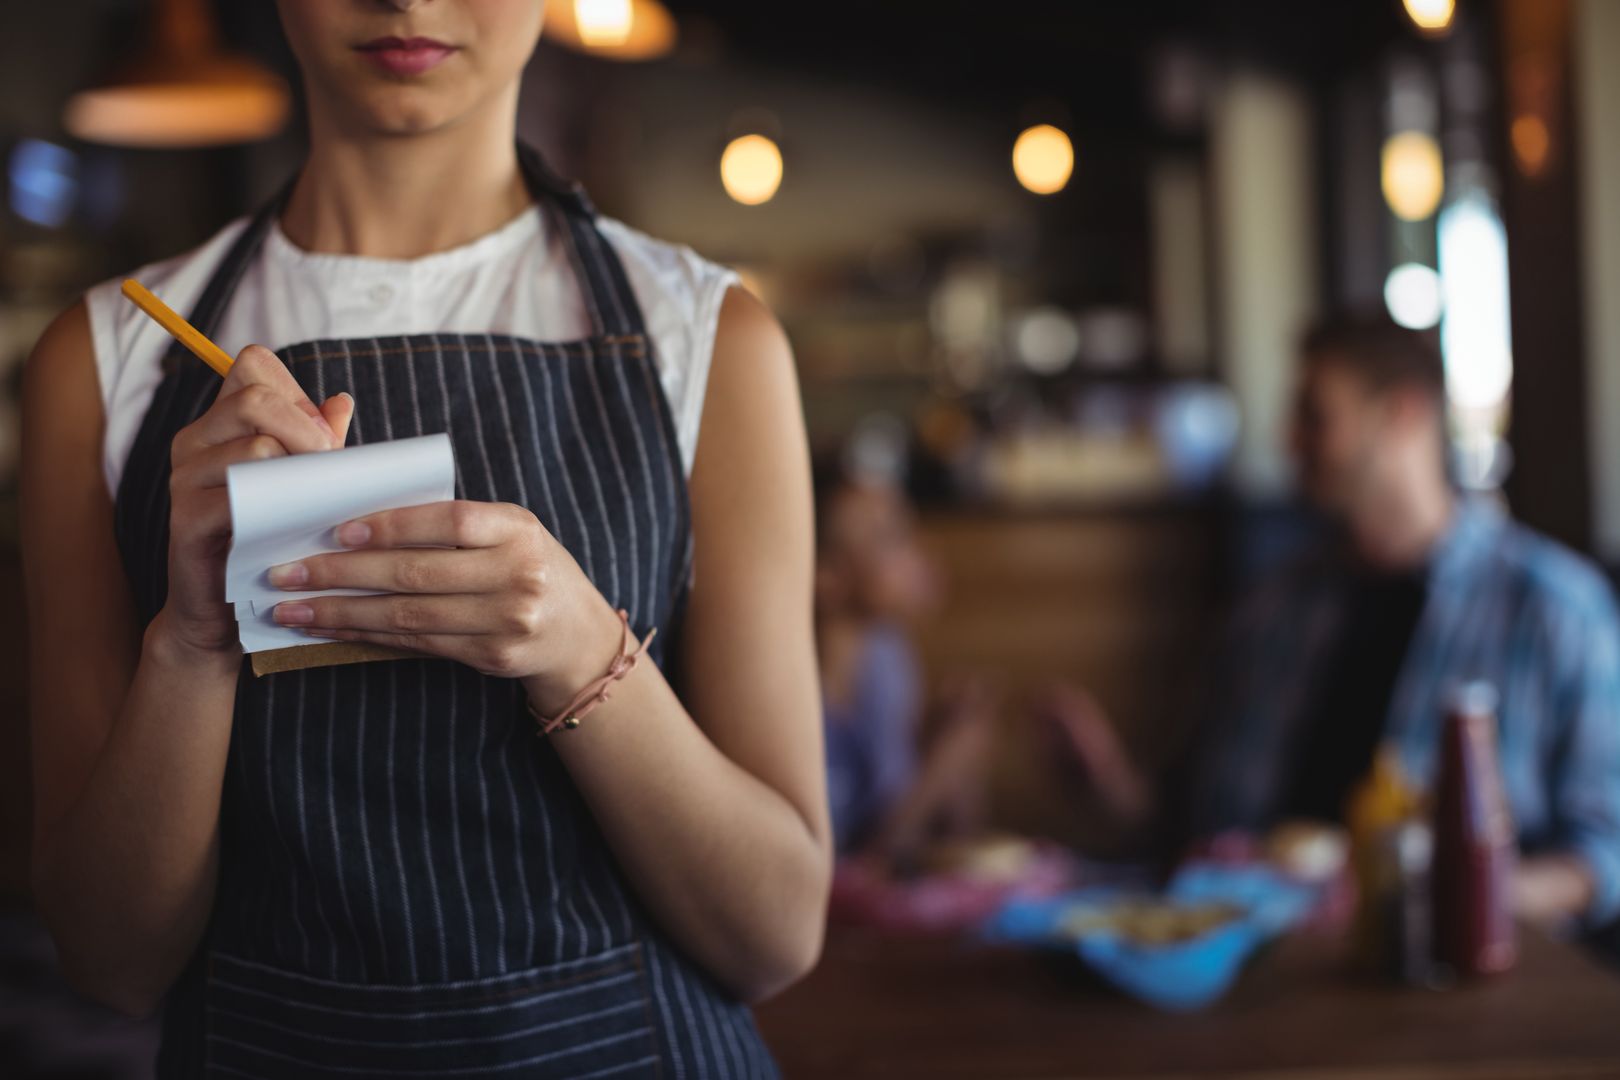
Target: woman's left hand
{"x":482,"y":583}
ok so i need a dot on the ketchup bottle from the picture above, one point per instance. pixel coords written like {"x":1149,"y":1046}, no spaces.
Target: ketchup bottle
{"x":1474,"y":847}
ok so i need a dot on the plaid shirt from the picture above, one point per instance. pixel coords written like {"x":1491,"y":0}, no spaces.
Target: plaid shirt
{"x":1505,"y":606}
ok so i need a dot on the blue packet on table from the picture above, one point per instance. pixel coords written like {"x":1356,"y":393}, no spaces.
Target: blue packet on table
{"x":1182,"y":974}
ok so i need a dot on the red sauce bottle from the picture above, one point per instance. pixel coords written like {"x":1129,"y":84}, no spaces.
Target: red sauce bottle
{"x":1474,"y":848}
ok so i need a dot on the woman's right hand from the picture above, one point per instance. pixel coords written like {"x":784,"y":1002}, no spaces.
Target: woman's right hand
{"x":261,"y":412}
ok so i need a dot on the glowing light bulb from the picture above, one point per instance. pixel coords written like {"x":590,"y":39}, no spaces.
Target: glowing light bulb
{"x":1413,"y":176}
{"x":751,"y":169}
{"x":1431,"y":16}
{"x":1043,"y":159}
{"x":612,"y":29}
{"x":604,"y":23}
{"x":1412,"y":293}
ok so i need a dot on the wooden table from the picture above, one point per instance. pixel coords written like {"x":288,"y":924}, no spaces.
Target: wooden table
{"x":885,"y":1007}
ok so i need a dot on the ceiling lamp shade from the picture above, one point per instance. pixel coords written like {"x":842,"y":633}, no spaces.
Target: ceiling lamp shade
{"x":183,"y":90}
{"x":613,"y":29}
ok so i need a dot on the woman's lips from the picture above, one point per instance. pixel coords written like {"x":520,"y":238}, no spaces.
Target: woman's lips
{"x":406,"y":56}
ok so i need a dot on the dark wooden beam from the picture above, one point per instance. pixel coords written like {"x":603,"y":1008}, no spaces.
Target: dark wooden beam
{"x":1550,"y":487}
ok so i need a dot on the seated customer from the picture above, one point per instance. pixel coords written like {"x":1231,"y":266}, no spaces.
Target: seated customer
{"x":1418,"y":591}
{"x":871,"y":577}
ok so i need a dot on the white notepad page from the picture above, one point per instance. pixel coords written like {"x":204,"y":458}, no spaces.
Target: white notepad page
{"x":287,"y":508}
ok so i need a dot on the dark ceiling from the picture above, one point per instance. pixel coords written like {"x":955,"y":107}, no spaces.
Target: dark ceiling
{"x":1090,"y":57}
{"x":1083,"y":53}
{"x":1090,"y":60}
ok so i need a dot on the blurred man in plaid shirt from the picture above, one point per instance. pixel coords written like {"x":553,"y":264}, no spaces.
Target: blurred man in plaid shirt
{"x":1360,"y":642}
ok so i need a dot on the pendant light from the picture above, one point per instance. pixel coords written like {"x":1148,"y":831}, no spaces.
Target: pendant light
{"x":1412,"y":175}
{"x":1431,"y":17}
{"x":1043,"y":159}
{"x":751,"y":169}
{"x":182,"y":90}
{"x":612,"y":29}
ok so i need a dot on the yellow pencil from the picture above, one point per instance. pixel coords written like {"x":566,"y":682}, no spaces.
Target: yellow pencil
{"x":183,"y":332}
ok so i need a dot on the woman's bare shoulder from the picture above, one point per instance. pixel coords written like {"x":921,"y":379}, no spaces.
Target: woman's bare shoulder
{"x":61,"y":396}
{"x":750,"y":480}
{"x":78,"y":598}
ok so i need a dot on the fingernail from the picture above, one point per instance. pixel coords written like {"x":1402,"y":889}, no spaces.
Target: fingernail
{"x":289,"y":574}
{"x":320,"y":632}
{"x":294,"y":614}
{"x":353,"y":533}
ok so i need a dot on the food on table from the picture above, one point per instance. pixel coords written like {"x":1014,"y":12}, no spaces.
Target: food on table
{"x":1148,"y":921}
{"x":1308,"y":851}
{"x":990,"y":858}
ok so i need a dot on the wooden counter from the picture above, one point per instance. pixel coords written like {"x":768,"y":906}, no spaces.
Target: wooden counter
{"x":884,"y":1007}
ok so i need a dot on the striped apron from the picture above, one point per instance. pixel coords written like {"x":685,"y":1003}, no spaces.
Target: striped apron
{"x":409,"y":883}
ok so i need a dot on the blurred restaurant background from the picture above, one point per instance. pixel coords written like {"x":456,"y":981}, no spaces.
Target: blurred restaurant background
{"x":1044,"y":264}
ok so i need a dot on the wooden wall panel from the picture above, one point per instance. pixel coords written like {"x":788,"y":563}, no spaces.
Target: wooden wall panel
{"x":1119,"y":602}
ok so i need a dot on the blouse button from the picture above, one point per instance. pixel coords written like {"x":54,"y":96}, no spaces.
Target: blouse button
{"x":381,"y":295}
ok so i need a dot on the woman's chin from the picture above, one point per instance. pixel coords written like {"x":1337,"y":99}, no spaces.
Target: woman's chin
{"x":404,"y":113}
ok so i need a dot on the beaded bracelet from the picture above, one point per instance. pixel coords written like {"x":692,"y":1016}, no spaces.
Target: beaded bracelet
{"x":596,"y":692}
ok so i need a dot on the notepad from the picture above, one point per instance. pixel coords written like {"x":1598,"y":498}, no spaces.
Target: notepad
{"x":288,"y":508}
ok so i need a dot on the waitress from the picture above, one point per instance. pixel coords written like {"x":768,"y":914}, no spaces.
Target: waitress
{"x":379,"y":869}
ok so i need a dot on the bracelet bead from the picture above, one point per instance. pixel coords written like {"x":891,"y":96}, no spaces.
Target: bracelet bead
{"x":597,"y":691}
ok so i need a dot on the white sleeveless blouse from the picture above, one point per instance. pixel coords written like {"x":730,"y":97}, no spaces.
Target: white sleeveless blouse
{"x":516,"y":280}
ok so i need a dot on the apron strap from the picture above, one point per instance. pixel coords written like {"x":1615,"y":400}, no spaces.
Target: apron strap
{"x":609,"y":299}
{"x":216,"y":295}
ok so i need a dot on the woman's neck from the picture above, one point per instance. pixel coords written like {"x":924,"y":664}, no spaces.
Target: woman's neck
{"x":404,"y":196}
